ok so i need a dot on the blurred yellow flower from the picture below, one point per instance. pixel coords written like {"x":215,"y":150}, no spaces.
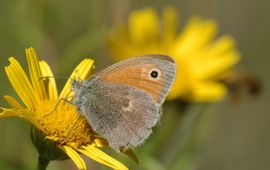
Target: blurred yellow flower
{"x":201,"y":58}
{"x":63,"y":127}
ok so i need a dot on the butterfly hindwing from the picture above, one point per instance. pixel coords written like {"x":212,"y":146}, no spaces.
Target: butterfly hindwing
{"x":121,"y":114}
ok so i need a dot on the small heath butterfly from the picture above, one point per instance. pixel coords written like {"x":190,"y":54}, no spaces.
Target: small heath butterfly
{"x":122,"y":103}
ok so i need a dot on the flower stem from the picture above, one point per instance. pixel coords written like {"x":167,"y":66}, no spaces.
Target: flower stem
{"x":42,"y":163}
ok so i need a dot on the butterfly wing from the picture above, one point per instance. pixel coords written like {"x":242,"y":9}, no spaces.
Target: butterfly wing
{"x":121,"y":114}
{"x":136,"y":72}
{"x":122,"y":103}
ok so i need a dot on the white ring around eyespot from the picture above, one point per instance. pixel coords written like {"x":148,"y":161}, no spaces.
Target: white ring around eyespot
{"x":158,"y":77}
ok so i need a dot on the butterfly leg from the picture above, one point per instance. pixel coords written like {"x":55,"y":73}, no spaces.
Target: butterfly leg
{"x":58,"y":102}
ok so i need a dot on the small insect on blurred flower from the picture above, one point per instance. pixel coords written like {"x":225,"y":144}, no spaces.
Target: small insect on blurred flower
{"x":201,"y":58}
{"x":58,"y":131}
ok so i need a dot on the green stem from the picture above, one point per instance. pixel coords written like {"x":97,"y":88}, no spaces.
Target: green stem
{"x":42,"y":163}
{"x":188,"y":155}
{"x":184,"y":137}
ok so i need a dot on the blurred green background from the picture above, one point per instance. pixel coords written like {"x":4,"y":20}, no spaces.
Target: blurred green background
{"x":65,"y":32}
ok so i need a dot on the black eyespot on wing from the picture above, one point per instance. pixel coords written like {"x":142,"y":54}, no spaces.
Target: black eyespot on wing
{"x":154,"y":74}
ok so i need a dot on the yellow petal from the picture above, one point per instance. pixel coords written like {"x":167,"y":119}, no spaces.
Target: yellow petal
{"x":144,"y":26}
{"x":183,"y":81}
{"x":100,"y":142}
{"x":169,"y":25}
{"x":218,"y":57}
{"x":21,"y":83}
{"x":23,"y":114}
{"x":35,"y":73}
{"x":75,"y":157}
{"x":101,"y":157}
{"x":216,"y":48}
{"x":8,"y":113}
{"x":82,"y":71}
{"x":194,"y":37}
{"x":217,"y":66}
{"x":208,"y":92}
{"x":51,"y":85}
{"x":13,"y":102}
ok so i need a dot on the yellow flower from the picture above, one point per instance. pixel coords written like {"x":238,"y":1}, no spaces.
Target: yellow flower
{"x":201,"y":58}
{"x":55,"y":126}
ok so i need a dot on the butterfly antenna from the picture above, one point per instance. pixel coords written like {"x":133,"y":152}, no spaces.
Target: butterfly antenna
{"x":77,"y":75}
{"x":51,"y":77}
{"x":58,"y":102}
{"x":58,"y":77}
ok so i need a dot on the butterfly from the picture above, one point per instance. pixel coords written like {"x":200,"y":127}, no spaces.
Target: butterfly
{"x":122,"y":103}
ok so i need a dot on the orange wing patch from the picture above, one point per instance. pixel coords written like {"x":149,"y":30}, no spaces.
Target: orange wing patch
{"x":138,"y":76}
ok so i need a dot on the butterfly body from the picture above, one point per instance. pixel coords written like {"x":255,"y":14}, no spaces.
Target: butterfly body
{"x":123,"y":102}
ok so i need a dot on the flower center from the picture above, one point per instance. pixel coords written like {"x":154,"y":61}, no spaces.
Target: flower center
{"x":63,"y":124}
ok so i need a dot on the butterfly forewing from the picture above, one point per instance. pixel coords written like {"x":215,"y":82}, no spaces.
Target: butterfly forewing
{"x":136,"y":72}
